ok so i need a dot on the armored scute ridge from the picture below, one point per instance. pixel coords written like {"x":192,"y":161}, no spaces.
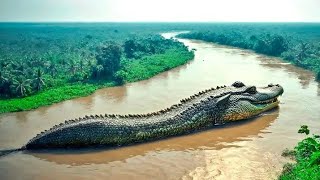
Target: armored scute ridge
{"x":205,"y":109}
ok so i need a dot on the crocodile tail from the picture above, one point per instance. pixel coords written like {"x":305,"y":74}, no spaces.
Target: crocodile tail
{"x":6,"y":152}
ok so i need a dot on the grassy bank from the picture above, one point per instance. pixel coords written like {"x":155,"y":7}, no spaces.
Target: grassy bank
{"x":151,"y":65}
{"x":307,"y":157}
{"x":46,"y":97}
{"x":134,"y":70}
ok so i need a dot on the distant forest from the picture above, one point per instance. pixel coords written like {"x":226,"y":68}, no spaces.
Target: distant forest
{"x":296,"y":43}
{"x":34,"y":57}
{"x":44,"y":63}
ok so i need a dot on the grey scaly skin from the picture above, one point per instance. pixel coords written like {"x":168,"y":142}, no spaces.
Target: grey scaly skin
{"x":205,"y":109}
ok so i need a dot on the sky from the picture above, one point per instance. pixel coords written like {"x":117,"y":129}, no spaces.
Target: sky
{"x":160,"y":10}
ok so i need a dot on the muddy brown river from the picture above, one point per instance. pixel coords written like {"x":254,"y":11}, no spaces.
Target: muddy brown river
{"x":245,"y":150}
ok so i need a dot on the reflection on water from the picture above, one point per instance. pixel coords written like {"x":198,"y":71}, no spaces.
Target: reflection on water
{"x":21,"y":117}
{"x":245,"y":150}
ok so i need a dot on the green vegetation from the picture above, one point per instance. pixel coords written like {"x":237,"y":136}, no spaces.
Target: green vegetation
{"x":38,"y":58}
{"x":296,"y":43}
{"x":153,"y":64}
{"x":46,"y":97}
{"x":307,"y":156}
{"x":43,"y":64}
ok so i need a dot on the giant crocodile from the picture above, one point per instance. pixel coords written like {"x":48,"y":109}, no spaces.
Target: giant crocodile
{"x":203,"y":110}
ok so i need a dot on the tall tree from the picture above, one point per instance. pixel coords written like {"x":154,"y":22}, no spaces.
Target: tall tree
{"x":109,"y":57}
{"x":4,"y":85}
{"x":22,"y":86}
{"x":129,"y":48}
{"x":38,"y":81}
{"x":278,"y":45}
{"x":52,"y":68}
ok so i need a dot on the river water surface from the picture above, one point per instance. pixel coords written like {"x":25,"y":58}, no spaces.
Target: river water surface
{"x":246,"y":150}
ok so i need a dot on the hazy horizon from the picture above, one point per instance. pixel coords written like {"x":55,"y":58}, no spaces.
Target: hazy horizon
{"x":126,"y":11}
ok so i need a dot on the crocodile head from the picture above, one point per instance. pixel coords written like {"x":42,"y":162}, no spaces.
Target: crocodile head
{"x":247,"y":101}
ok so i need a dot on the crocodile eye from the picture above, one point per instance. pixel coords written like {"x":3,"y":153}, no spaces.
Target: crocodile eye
{"x":252,"y":90}
{"x":238,"y":84}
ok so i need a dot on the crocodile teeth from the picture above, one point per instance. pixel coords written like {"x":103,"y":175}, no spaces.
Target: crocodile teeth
{"x":268,"y":101}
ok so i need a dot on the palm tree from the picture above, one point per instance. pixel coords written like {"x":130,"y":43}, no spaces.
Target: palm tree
{"x":37,"y":62}
{"x":4,"y":64}
{"x":51,"y":67}
{"x":2,"y":78}
{"x":5,"y":83}
{"x":38,"y":81}
{"x":28,"y":71}
{"x":21,"y":86}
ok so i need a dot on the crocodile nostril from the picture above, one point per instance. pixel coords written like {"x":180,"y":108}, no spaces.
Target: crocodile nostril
{"x":252,"y":90}
{"x":238,"y":84}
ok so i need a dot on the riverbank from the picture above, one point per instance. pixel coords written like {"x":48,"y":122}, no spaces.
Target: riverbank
{"x":134,"y":70}
{"x":289,"y":47}
{"x":307,"y":157}
{"x":256,"y":144}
